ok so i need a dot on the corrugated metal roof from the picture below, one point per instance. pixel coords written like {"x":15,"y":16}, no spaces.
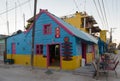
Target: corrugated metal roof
{"x":69,"y":28}
{"x":78,"y":33}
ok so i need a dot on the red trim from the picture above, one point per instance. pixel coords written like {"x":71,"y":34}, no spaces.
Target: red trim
{"x":48,"y":55}
{"x":37,"y":16}
{"x":38,"y":48}
{"x":51,"y":16}
{"x":44,"y":29}
{"x":13,"y":48}
{"x":57,"y":32}
{"x":84,"y":51}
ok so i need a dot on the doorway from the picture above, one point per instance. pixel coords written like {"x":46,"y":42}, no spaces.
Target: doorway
{"x":54,"y":55}
{"x":84,"y":51}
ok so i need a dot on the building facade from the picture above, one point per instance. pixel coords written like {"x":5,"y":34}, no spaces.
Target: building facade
{"x":2,"y":47}
{"x":57,"y":44}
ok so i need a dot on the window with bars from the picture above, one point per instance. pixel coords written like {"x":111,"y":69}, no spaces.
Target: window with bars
{"x":39,"y":49}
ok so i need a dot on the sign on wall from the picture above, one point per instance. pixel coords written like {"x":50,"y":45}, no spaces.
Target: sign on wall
{"x":67,"y":49}
{"x":57,"y":32}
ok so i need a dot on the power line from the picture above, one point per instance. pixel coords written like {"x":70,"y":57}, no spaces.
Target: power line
{"x":105,"y":13}
{"x":101,"y":11}
{"x":7,"y":17}
{"x":15,"y":16}
{"x":30,"y":7}
{"x":15,"y":7}
{"x":108,"y":12}
{"x":76,"y":5}
{"x":85,"y":6}
{"x":98,"y":12}
{"x":20,"y":6}
{"x":117,"y":12}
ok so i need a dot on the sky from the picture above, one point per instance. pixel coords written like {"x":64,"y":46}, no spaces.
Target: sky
{"x":107,"y":15}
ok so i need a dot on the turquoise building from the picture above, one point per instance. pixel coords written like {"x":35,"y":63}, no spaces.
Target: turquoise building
{"x":57,"y":44}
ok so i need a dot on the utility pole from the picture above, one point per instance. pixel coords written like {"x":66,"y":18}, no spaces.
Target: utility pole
{"x":111,"y":30}
{"x":15,"y":17}
{"x":84,"y":25}
{"x":110,"y":35}
{"x":33,"y":34}
{"x":7,"y":17}
{"x":24,"y":21}
{"x":84,"y":14}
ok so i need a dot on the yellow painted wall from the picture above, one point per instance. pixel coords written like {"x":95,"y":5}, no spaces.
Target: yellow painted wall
{"x":73,"y":64}
{"x":89,"y":57}
{"x":39,"y":60}
{"x":76,"y":21}
{"x":20,"y":59}
{"x":103,"y":35}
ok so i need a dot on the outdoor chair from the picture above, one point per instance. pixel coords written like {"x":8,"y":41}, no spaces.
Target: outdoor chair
{"x":98,"y":71}
{"x":113,"y":61}
{"x":112,"y":67}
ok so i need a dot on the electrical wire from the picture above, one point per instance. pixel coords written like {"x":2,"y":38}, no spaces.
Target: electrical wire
{"x":20,"y":6}
{"x":117,"y":12}
{"x":76,"y":5}
{"x":98,"y":12}
{"x":105,"y":13}
{"x":14,"y":7}
{"x":85,"y":5}
{"x":30,"y":7}
{"x":108,"y":12}
{"x":101,"y":13}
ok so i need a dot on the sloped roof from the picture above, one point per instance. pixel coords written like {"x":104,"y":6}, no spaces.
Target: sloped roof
{"x":80,"y":34}
{"x":69,"y":28}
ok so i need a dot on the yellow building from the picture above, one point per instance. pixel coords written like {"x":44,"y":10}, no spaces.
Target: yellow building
{"x":103,"y":35}
{"x":84,"y":22}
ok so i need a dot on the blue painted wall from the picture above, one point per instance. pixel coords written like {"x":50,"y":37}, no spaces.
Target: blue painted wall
{"x":23,"y":41}
{"x":78,"y":46}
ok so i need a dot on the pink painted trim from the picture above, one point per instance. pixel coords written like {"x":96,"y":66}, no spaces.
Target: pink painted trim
{"x":44,"y":29}
{"x":39,"y":49}
{"x":57,"y":35}
{"x":59,"y":23}
{"x":13,"y":48}
{"x":37,"y":16}
{"x":31,"y":25}
{"x":45,"y":11}
{"x":48,"y":55}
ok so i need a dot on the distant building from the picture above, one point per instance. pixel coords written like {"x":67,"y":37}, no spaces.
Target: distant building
{"x":86,"y":23}
{"x":2,"y":46}
{"x":83,"y":22}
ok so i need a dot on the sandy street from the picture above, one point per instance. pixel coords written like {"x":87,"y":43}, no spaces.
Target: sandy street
{"x":22,"y":73}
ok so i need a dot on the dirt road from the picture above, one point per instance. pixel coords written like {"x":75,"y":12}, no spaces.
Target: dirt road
{"x":21,"y":73}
